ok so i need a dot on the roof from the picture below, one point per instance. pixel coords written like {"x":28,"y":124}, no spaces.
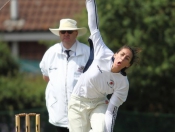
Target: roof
{"x":38,"y":15}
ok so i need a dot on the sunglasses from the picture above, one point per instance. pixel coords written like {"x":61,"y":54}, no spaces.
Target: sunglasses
{"x":69,"y":32}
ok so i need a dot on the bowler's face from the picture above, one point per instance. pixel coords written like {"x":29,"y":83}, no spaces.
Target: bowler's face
{"x":122,"y":59}
{"x":67,"y":37}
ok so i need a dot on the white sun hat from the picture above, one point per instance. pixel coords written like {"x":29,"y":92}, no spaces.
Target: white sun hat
{"x":68,"y":24}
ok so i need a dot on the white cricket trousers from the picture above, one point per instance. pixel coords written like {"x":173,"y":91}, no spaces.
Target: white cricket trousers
{"x":86,"y":115}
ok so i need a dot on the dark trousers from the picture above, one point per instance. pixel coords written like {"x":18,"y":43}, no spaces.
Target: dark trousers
{"x":62,"y":129}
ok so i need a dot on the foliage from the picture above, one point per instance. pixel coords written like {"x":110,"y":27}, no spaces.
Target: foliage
{"x":8,"y":65}
{"x":18,"y":91}
{"x":22,"y":92}
{"x":150,"y":26}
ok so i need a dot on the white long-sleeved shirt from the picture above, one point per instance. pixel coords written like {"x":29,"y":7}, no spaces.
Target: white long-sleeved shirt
{"x":98,"y":81}
{"x":63,"y":76}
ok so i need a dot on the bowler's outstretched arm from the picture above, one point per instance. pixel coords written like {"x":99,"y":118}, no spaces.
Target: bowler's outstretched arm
{"x":98,"y":43}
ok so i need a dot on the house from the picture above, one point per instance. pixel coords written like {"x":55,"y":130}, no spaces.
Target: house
{"x":24,"y":23}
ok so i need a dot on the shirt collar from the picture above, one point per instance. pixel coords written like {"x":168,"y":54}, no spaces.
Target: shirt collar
{"x":73,"y":48}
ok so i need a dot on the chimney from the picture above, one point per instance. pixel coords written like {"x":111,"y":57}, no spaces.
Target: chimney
{"x":14,"y":21}
{"x":14,"y":9}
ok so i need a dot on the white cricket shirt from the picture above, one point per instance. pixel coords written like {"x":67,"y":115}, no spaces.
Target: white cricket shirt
{"x":63,"y":76}
{"x":98,"y":80}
